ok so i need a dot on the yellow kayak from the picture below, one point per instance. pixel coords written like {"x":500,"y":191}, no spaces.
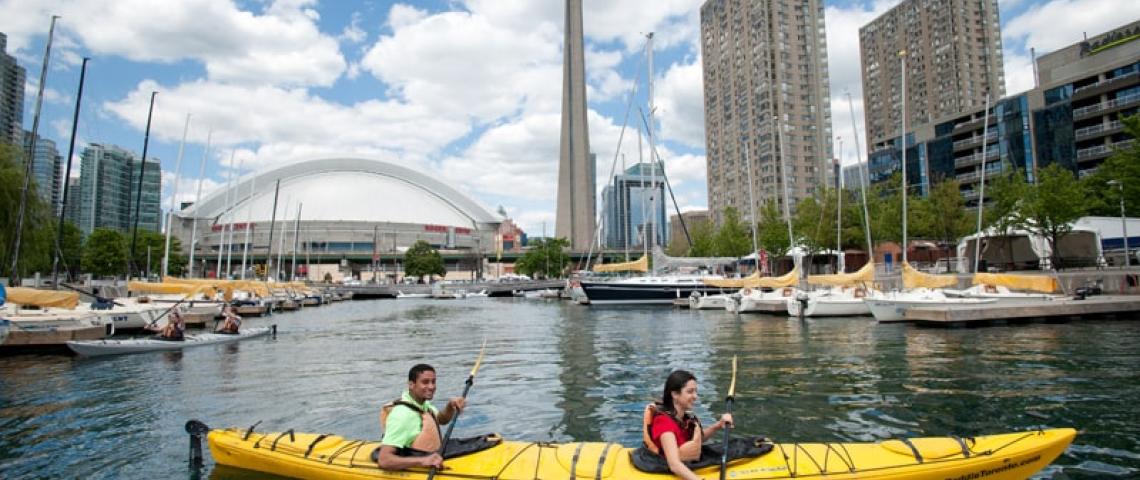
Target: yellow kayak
{"x":988,"y":457}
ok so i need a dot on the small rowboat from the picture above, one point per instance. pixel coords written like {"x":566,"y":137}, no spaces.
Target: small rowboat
{"x":94,"y":348}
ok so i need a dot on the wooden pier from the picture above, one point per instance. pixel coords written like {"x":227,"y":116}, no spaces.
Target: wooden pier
{"x":1043,"y":310}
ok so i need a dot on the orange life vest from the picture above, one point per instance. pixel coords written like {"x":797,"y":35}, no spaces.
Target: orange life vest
{"x":690,"y":450}
{"x":429,"y":439}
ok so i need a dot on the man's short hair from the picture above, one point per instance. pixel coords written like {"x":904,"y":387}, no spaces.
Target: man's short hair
{"x":414,"y":373}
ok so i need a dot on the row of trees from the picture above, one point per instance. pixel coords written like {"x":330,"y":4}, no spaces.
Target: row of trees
{"x":102,"y":253}
{"x":546,"y":257}
{"x":1047,"y":207}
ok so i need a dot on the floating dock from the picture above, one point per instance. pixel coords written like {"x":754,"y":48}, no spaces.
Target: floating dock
{"x":1059,"y":309}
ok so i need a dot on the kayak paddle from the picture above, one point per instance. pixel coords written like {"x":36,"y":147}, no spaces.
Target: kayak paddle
{"x":455,"y":418}
{"x":728,"y":400}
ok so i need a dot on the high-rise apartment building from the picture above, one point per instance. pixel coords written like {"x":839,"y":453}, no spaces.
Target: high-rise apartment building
{"x":1072,"y":118}
{"x":47,"y":170}
{"x":766,"y":94}
{"x":11,"y":96}
{"x":106,"y":197}
{"x":635,"y":206}
{"x":953,"y":60}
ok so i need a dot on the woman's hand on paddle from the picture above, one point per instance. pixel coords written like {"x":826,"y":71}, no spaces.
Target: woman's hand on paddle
{"x":726,"y":421}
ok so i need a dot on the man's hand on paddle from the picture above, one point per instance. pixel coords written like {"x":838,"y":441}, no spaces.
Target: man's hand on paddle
{"x":454,"y":406}
{"x":432,"y":461}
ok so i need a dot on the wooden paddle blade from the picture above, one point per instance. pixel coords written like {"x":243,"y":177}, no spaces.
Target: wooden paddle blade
{"x":732,"y":386}
{"x":479,"y":361}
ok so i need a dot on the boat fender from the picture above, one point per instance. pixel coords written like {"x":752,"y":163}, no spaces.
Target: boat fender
{"x":250,"y":430}
{"x":315,"y":442}
{"x":273,"y":330}
{"x":289,"y":432}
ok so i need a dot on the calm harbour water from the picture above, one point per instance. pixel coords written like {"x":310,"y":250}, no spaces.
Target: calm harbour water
{"x":557,"y":371}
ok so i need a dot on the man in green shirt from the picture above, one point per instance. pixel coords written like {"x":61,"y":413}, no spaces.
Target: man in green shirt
{"x":411,"y":424}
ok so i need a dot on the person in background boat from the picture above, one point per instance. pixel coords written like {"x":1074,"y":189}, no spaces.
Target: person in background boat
{"x":231,"y":322}
{"x":411,"y":424}
{"x":100,"y":303}
{"x":672,"y":431}
{"x":175,"y":328}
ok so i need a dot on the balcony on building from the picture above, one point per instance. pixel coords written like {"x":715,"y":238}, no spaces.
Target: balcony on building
{"x":976,"y":158}
{"x":1107,"y":106}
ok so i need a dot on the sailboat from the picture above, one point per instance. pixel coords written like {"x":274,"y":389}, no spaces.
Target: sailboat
{"x":652,"y":288}
{"x":922,"y":289}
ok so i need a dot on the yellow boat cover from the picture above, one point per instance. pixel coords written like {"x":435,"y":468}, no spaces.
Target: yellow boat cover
{"x":1006,"y":456}
{"x":155,"y":287}
{"x":639,"y":265}
{"x":912,"y":278}
{"x":42,"y":298}
{"x":1037,"y":283}
{"x":253,"y":286}
{"x":756,"y":281}
{"x":862,"y":276}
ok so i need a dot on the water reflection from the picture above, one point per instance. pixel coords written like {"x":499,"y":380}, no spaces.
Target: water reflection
{"x":556,"y":371}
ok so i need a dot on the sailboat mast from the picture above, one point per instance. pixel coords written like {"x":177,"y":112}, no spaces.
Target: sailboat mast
{"x":839,"y":213}
{"x":225,"y":210}
{"x":138,"y":189}
{"x":198,"y":198}
{"x":862,"y":180}
{"x":67,"y":175}
{"x":248,"y":225}
{"x":902,"y":146}
{"x":296,"y":240}
{"x":652,"y":159}
{"x":783,"y":177}
{"x":13,"y":274}
{"x":751,"y":206}
{"x":982,"y":188}
{"x":233,"y":219}
{"x":174,"y":198}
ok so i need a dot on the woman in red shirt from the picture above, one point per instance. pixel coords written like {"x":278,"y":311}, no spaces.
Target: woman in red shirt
{"x":675,"y":431}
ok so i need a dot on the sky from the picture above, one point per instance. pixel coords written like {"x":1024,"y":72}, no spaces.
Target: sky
{"x":467,"y":91}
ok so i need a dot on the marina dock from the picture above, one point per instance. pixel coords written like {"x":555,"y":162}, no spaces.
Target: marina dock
{"x":1039,"y":310}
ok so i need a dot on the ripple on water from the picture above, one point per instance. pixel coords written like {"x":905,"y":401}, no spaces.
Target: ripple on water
{"x":555,"y":371}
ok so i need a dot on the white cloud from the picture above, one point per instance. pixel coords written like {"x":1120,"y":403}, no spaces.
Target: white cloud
{"x":1060,"y":23}
{"x":475,"y":70}
{"x":352,"y":32}
{"x":845,"y":71}
{"x":282,"y":46}
{"x":680,"y":101}
{"x":289,"y":124}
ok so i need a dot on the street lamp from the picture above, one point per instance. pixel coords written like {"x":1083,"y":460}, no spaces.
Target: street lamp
{"x":1123,"y":223}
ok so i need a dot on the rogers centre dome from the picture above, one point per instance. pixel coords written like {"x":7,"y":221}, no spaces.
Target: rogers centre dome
{"x":355,"y":214}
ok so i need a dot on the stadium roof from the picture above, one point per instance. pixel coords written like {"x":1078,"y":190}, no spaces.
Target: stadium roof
{"x":343,"y":189}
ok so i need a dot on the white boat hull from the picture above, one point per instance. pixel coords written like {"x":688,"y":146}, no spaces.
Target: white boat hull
{"x":710,"y":302}
{"x":887,"y":310}
{"x":94,"y":348}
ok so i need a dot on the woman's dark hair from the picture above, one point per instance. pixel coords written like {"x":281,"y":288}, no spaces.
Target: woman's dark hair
{"x":674,"y":383}
{"x":414,"y":373}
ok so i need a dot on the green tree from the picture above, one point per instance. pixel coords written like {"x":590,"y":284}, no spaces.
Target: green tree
{"x":773,"y":231}
{"x":421,"y":259}
{"x":733,"y":238}
{"x":1005,"y":198}
{"x":105,"y":253}
{"x":35,"y":241}
{"x":1122,"y":166}
{"x":703,"y":240}
{"x":154,"y":243}
{"x":1053,"y":204}
{"x":71,"y":251}
{"x":884,"y":203}
{"x":946,"y":211}
{"x":546,"y":257}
